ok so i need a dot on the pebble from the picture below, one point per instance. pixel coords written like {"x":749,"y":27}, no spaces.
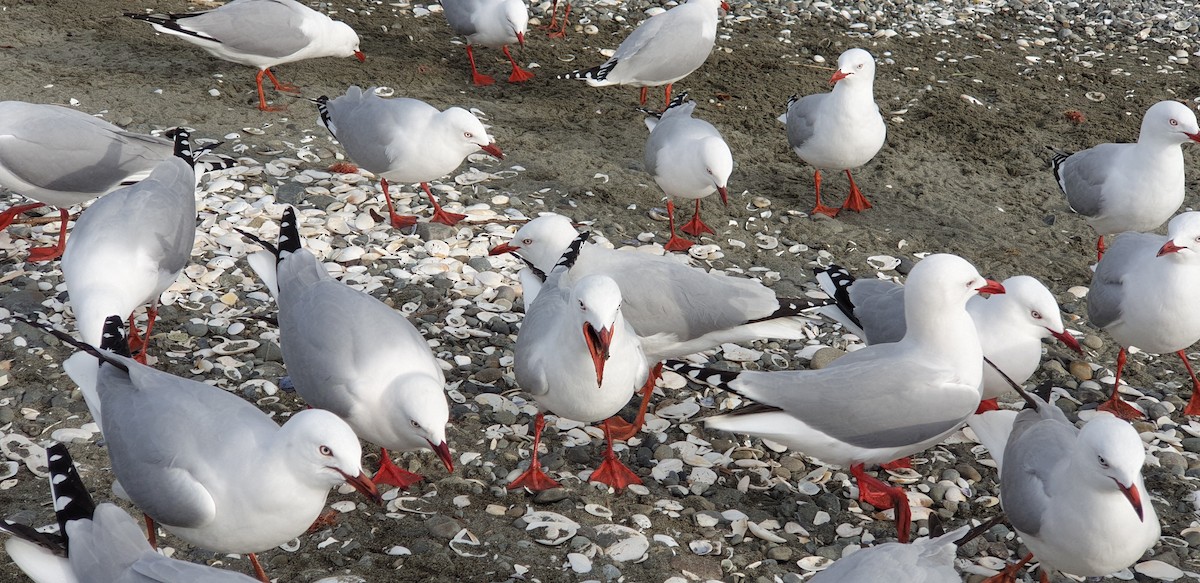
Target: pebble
{"x":442,"y":527}
{"x":1081,"y":370}
{"x":824,"y":356}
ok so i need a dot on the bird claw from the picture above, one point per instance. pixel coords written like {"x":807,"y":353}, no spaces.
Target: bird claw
{"x":481,"y":80}
{"x":614,"y":473}
{"x":825,"y":210}
{"x":696,"y":227}
{"x":534,"y":480}
{"x":1117,"y":406}
{"x":403,"y":221}
{"x":45,"y":253}
{"x":987,"y":405}
{"x":394,"y":475}
{"x":519,"y":76}
{"x":677,"y":244}
{"x":441,"y":216}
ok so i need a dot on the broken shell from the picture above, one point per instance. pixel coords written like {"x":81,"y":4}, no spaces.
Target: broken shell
{"x":1094,"y":96}
{"x":814,"y":563}
{"x":904,"y":476}
{"x":579,"y":563}
{"x":464,"y":538}
{"x":598,"y":510}
{"x":702,"y":547}
{"x":883,"y":262}
{"x":558,"y":528}
{"x":385,"y":91}
{"x":631,"y":545}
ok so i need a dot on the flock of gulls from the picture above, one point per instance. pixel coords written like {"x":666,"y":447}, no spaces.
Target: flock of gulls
{"x":600,"y":324}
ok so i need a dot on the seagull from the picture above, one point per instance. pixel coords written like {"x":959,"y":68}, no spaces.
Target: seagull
{"x":405,"y":140}
{"x":351,"y":354}
{"x":880,"y":403}
{"x":1142,"y":294}
{"x":688,"y":158}
{"x":1011,"y":326}
{"x":1074,"y":495}
{"x":929,"y":560}
{"x":261,"y":34}
{"x":95,"y":543}
{"x":1130,"y":187}
{"x":490,"y":23}
{"x":839,"y":130}
{"x":204,"y":463}
{"x":579,"y":358}
{"x":62,"y":157}
{"x":130,"y":245}
{"x":662,"y":50}
{"x":675,"y":309}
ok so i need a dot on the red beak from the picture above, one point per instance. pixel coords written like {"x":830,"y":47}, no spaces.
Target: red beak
{"x":725,"y":6}
{"x":1066,"y":338}
{"x":991,"y":287}
{"x":724,"y":195}
{"x":443,"y":452}
{"x":521,"y":38}
{"x":360,"y":56}
{"x":502,"y":249}
{"x":598,"y":344}
{"x":364,"y":485}
{"x":493,"y":149}
{"x":1168,"y":247}
{"x":838,"y":76}
{"x":1135,"y":498}
{"x":1193,"y":137}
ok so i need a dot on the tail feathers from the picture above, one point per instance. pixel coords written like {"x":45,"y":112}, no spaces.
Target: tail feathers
{"x":1056,"y":161}
{"x":835,"y":280}
{"x":791,"y":307}
{"x":289,"y":233}
{"x":720,"y":379}
{"x":677,"y":101}
{"x":71,"y":498}
{"x":326,"y":120}
{"x":112,"y":338}
{"x":572,"y":253}
{"x":599,"y":73}
{"x":183,"y":146}
{"x":172,"y":22}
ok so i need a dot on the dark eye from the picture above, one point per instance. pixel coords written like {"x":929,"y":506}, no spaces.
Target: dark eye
{"x":1103,"y":463}
{"x":415,"y":424}
{"x":860,"y":65}
{"x":325,"y":451}
{"x":1174,"y":122}
{"x":1036,"y":315}
{"x":582,"y":307}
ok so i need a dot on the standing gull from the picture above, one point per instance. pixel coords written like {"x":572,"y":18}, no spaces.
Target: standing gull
{"x":492,"y":24}
{"x":405,"y":140}
{"x":1130,"y":187}
{"x":662,"y":50}
{"x":130,"y":245}
{"x":1143,"y":295}
{"x":62,"y":157}
{"x":1011,"y":326}
{"x":351,"y":354}
{"x":1074,"y":495}
{"x":675,"y":309}
{"x":261,"y":34}
{"x":929,"y":560}
{"x":880,"y":403}
{"x":579,"y":358}
{"x":839,"y":130}
{"x":207,"y":465}
{"x":688,"y":158}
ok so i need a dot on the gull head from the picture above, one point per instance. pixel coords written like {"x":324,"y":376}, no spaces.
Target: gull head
{"x":1112,"y":453}
{"x":541,"y":241}
{"x":468,"y":133}
{"x":1171,"y":122}
{"x":854,"y":66}
{"x":420,"y":414}
{"x":943,"y":280}
{"x":598,"y":300}
{"x":718,"y":164}
{"x":324,"y":452}
{"x":1036,"y":306}
{"x":343,"y":42}
{"x":1184,"y":237}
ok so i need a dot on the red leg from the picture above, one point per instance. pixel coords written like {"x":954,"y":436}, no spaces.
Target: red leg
{"x":642,"y":95}
{"x":611,"y":470}
{"x":6,"y":217}
{"x":898,"y":464}
{"x":880,"y":495}
{"x":534,"y":478}
{"x":478,"y":79}
{"x":856,"y":201}
{"x":1115,"y":404}
{"x":262,"y":97}
{"x":553,"y":12}
{"x":1193,"y":406}
{"x":820,"y":208}
{"x":258,"y":570}
{"x":398,"y":221}
{"x":48,"y":253}
{"x":562,"y":26}
{"x":1100,"y":248}
{"x":151,"y":534}
{"x":439,"y":215}
{"x":392,"y":474}
{"x":987,"y":405}
{"x":518,"y":74}
{"x":288,"y":87}
{"x":696,"y":227}
{"x":623,"y":430}
{"x":675,"y":243}
{"x":667,"y":98}
{"x":1009,"y":574}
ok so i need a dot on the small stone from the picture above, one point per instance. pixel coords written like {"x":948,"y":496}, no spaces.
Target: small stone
{"x":780,"y":553}
{"x":434,"y":231}
{"x":489,"y":375}
{"x":551,"y":496}
{"x":443,"y":527}
{"x":824,"y":356}
{"x":1092,"y":341}
{"x":1081,"y":370}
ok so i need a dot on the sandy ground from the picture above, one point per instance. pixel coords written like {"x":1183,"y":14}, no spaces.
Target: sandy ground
{"x":956,"y":175}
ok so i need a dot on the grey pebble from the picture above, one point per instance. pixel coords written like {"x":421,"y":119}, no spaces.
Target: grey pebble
{"x":443,"y":527}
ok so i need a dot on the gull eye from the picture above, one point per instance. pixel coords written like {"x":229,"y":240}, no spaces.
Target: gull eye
{"x":527,"y":241}
{"x":1103,"y":462}
{"x":468,"y":135}
{"x":860,"y":65}
{"x":582,"y":307}
{"x":415,"y":424}
{"x":1036,"y":315}
{"x":1174,"y":122}
{"x":325,"y":451}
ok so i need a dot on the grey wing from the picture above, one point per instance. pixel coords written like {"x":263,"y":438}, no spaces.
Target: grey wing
{"x":155,"y":568}
{"x":269,"y":28}
{"x":458,"y":15}
{"x":1120,"y":260}
{"x":1081,"y":177}
{"x":164,"y":213}
{"x":893,"y":397}
{"x":1035,"y":448}
{"x":802,"y":119}
{"x":664,"y":47}
{"x":537,"y":341}
{"x":370,"y":128}
{"x":879,"y":306}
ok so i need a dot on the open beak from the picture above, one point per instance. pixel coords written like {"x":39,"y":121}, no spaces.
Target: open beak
{"x":721,"y":190}
{"x":838,"y":76}
{"x":1193,"y":137}
{"x":1168,"y":247}
{"x":364,"y":485}
{"x":1135,"y":498}
{"x":991,"y":287}
{"x":443,"y":452}
{"x":503,"y":248}
{"x":493,"y":149}
{"x":360,"y":56}
{"x":1066,"y":338}
{"x":598,"y":344}
{"x":521,"y":38}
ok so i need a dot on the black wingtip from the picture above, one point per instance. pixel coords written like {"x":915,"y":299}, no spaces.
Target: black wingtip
{"x":793,"y":307}
{"x":712,"y":377}
{"x":323,"y":110}
{"x":572,"y":253}
{"x":68,"y":339}
{"x":679,"y":99}
{"x":112,"y":338}
{"x":71,"y":498}
{"x":289,"y":233}
{"x":598,"y":73}
{"x":183,"y":145}
{"x":841,"y":279}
